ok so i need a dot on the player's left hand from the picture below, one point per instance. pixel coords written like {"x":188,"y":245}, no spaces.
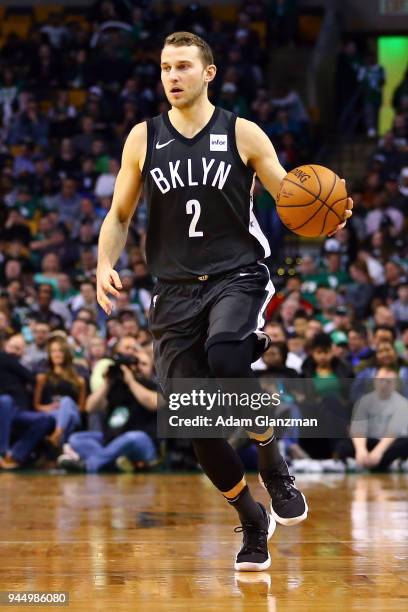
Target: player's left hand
{"x":347,"y":214}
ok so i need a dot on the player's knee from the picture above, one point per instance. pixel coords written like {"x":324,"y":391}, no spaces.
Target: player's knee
{"x":226,"y":361}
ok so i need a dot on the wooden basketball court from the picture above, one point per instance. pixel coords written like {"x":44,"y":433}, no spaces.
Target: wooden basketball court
{"x":166,"y":542}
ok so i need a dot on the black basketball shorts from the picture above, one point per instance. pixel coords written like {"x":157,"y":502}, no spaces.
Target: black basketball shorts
{"x":186,"y":318}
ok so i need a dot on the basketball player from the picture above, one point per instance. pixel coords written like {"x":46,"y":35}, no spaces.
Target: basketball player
{"x":197,"y":164}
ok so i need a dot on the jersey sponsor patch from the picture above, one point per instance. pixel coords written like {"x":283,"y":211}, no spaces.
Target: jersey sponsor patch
{"x":218,"y":142}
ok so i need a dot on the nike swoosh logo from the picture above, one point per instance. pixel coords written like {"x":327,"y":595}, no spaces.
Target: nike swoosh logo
{"x":245,"y":274}
{"x":160,"y":146}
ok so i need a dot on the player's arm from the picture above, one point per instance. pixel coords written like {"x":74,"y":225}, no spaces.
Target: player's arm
{"x":114,"y":230}
{"x":257,"y":151}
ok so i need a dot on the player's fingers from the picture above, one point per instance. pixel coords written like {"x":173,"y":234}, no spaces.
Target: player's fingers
{"x":339,"y":227}
{"x":104,"y":301}
{"x":115,"y":278}
{"x":109,"y":288}
{"x":350,"y":204}
{"x":347,"y":213}
{"x":106,"y":305}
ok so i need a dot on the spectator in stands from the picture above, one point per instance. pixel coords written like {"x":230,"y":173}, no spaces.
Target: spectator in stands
{"x":60,"y":392}
{"x":383,"y":333}
{"x":29,"y":124}
{"x":400,"y":306}
{"x":325,"y":369}
{"x":21,"y":430}
{"x":62,"y":116}
{"x":85,"y":299}
{"x":45,"y":70}
{"x":67,"y":162}
{"x":10,"y":87}
{"x":372,"y":77}
{"x":383,"y":316}
{"x":68,"y":201}
{"x":36,"y":354}
{"x":129,"y":400}
{"x":379,"y":426}
{"x":48,"y":238}
{"x":79,"y":337}
{"x":55,"y":29}
{"x":384,"y":216}
{"x":282,"y":125}
{"x":404,"y":182}
{"x":401,"y":94}
{"x":78,"y":71}
{"x":393,"y":271}
{"x":232,"y":101}
{"x":15,"y":228}
{"x":400,"y":130}
{"x":403,"y":347}
{"x":277,"y":372}
{"x":361,"y":291}
{"x":84,"y":139}
{"x":282,"y":21}
{"x":105,"y":182}
{"x":389,"y":154}
{"x":6,"y":329}
{"x":97,"y":350}
{"x":385,"y":356}
{"x":287,"y":313}
{"x":44,"y":309}
{"x":130,"y":323}
{"x":395,"y":198}
{"x":348,"y":66}
{"x":275,"y":360}
{"x":50,"y":270}
{"x":326,"y":392}
{"x":359,"y":348}
{"x":327,"y":301}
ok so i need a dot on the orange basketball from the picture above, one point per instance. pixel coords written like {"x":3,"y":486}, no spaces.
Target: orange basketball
{"x":311,"y":201}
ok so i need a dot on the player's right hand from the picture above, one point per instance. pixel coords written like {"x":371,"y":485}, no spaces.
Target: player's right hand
{"x":107,"y":283}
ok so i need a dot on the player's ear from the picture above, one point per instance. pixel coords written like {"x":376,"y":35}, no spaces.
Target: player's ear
{"x":210,"y":73}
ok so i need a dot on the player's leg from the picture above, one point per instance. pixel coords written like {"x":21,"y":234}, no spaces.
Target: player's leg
{"x":224,"y":468}
{"x":231,"y":360}
{"x":237,"y":304}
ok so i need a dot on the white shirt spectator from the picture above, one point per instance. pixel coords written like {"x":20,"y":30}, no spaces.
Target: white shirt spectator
{"x":105,"y":184}
{"x":375,"y":217}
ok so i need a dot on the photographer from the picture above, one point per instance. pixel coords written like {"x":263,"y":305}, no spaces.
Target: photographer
{"x":128,"y":399}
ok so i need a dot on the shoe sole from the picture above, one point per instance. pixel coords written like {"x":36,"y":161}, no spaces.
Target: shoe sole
{"x":258,"y":567}
{"x":293,"y":520}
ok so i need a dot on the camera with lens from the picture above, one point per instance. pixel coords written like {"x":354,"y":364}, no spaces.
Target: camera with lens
{"x":114,"y":372}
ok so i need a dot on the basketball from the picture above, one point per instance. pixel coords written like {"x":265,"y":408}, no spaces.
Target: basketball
{"x":311,"y":201}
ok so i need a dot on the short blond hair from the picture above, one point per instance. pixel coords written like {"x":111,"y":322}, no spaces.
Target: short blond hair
{"x":188,"y":39}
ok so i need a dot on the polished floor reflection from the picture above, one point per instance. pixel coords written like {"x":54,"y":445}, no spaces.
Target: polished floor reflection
{"x":154,"y":542}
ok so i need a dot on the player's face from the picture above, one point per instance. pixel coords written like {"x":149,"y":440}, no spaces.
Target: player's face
{"x":183,"y":75}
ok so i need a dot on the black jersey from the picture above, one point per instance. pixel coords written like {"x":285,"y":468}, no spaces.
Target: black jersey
{"x":199,"y":199}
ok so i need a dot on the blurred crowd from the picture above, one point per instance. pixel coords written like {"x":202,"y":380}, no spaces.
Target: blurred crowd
{"x":80,"y":389}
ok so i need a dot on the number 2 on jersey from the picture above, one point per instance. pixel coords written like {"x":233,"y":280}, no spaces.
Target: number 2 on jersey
{"x":194,"y":207}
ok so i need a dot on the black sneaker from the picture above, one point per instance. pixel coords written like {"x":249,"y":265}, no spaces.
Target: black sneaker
{"x":262,"y":344}
{"x":69,"y":464}
{"x":254,"y":555}
{"x":288,"y":504}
